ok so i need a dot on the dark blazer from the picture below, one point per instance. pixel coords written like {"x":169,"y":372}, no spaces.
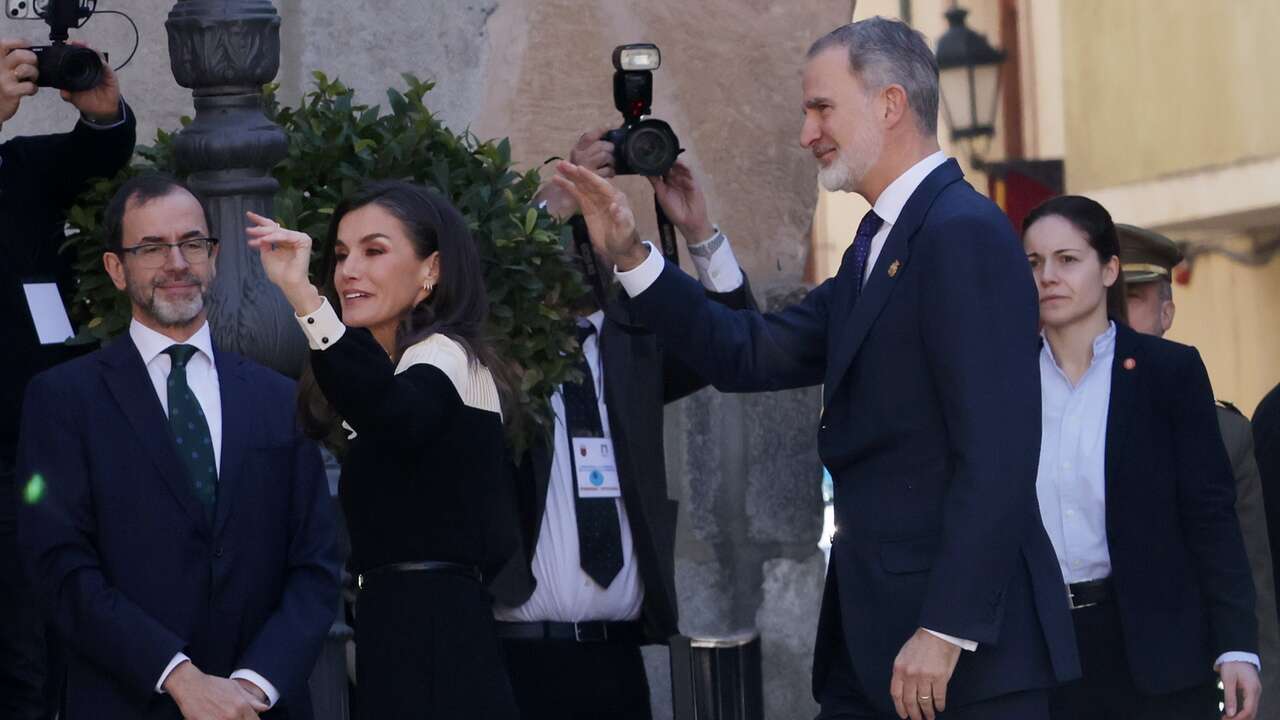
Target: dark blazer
{"x":1266,"y":448}
{"x":1179,"y":570}
{"x":126,"y":563}
{"x":931,"y":432}
{"x":639,"y":379}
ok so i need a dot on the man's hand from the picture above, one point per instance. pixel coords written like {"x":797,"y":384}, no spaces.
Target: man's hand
{"x":101,"y":103}
{"x":682,"y":200}
{"x":591,"y":153}
{"x":18,"y":72}
{"x":206,"y":697}
{"x":920,"y":675}
{"x":608,"y":214}
{"x":1241,"y":686}
{"x":254,"y":690}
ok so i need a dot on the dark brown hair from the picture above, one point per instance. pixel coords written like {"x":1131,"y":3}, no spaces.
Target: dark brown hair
{"x":1093,"y":220}
{"x":457,"y":308}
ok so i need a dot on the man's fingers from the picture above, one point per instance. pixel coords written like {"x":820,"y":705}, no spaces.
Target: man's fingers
{"x":940,"y":695}
{"x":8,"y":45}
{"x":911,"y":699}
{"x":895,"y":692}
{"x":927,"y":706}
{"x":1229,"y":691}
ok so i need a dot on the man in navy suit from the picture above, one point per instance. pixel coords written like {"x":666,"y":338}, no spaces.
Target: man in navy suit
{"x":943,"y":592}
{"x":177,"y":527}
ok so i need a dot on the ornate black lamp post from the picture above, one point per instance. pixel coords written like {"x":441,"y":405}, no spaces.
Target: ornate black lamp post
{"x":225,"y":51}
{"x":969,"y":79}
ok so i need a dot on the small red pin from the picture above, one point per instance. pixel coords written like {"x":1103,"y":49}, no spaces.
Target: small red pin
{"x":583,"y":451}
{"x":1130,"y":363}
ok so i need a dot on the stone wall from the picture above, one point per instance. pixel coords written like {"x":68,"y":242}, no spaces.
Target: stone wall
{"x":745,"y":468}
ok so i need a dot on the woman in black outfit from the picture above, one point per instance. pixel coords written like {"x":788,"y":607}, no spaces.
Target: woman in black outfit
{"x":1136,"y":493}
{"x":408,"y":371}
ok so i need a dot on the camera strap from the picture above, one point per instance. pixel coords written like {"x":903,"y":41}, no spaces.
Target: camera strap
{"x":587,"y":258}
{"x":666,"y":234}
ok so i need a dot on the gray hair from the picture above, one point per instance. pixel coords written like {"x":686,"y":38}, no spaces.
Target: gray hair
{"x":1166,"y":290}
{"x":886,"y":52}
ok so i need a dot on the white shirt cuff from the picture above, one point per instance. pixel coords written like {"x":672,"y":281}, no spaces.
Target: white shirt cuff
{"x":716,"y":264}
{"x":969,"y":645}
{"x":173,"y":664}
{"x":322,"y":327}
{"x":1227,"y":657}
{"x":273,"y":695}
{"x":639,"y":278}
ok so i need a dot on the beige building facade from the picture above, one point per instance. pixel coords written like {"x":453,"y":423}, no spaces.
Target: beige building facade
{"x":1164,"y":111}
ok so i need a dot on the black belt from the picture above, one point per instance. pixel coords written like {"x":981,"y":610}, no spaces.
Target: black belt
{"x":629,"y":632}
{"x":432,"y":566}
{"x":1088,"y":593}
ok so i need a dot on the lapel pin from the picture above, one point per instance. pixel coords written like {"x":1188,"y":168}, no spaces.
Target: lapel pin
{"x":893,"y":268}
{"x":1130,"y":363}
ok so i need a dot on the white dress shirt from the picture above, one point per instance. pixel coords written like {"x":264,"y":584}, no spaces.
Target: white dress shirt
{"x":888,"y":206}
{"x":564,"y":592}
{"x":202,"y":378}
{"x":1071,"y":479}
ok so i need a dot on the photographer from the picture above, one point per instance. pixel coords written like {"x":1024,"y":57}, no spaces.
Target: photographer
{"x":594,"y":578}
{"x":40,"y":177}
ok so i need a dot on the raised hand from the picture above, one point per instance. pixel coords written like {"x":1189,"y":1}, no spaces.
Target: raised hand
{"x":592,"y":153}
{"x":286,"y":256}
{"x":683,"y":202}
{"x":608,"y":215}
{"x":100,"y":103}
{"x":18,"y":73}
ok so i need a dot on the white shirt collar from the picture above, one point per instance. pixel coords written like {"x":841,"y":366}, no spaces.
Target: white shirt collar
{"x":151,"y":343}
{"x":596,"y":319}
{"x":890,"y":203}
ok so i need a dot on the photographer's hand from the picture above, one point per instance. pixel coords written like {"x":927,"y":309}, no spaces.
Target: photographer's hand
{"x":99,"y":104}
{"x":683,"y":202}
{"x":18,"y":72}
{"x":592,"y":153}
{"x":286,"y":256}
{"x":608,"y":215}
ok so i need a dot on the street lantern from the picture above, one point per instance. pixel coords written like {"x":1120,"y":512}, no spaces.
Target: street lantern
{"x":968,"y":79}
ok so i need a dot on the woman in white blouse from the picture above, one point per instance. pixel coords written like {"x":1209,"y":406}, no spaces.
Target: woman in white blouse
{"x":1136,"y":493}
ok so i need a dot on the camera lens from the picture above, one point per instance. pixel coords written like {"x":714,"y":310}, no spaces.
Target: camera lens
{"x":651,"y":148}
{"x":81,"y":69}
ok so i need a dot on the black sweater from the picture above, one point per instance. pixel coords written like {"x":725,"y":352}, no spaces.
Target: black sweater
{"x":423,"y":477}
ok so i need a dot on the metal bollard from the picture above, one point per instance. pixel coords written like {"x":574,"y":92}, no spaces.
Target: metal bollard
{"x":717,"y":678}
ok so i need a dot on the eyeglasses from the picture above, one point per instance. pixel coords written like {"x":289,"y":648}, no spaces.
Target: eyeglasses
{"x":154,"y":255}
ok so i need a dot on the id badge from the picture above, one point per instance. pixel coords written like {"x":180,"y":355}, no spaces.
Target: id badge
{"x":595,"y":467}
{"x":48,"y":314}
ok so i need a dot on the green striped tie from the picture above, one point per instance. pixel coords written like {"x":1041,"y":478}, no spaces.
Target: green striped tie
{"x":191,"y":430}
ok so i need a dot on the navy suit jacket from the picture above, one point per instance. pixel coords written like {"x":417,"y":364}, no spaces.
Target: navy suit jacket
{"x":125,"y":561}
{"x":1178,"y":566}
{"x":931,"y":432}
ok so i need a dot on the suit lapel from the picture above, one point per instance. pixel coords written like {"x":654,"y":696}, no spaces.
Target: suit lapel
{"x":1120,"y":409}
{"x":856,"y":324}
{"x":237,"y":431}
{"x":130,"y":384}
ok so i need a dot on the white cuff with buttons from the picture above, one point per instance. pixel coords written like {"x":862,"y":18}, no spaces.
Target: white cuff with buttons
{"x":323,"y":328}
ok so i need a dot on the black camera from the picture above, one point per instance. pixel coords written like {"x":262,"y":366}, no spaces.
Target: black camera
{"x":63,"y":66}
{"x":642,"y":146}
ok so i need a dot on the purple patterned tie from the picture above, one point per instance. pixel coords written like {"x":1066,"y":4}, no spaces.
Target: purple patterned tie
{"x":861,"y":249}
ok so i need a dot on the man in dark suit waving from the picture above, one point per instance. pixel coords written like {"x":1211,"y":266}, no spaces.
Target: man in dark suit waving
{"x":177,"y":526}
{"x":943,"y":591}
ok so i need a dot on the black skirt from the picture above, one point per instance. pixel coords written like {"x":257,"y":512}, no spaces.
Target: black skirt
{"x":426,"y":650}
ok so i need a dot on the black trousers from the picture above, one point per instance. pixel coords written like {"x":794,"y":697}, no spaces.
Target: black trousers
{"x":566,"y":680}
{"x":24,"y":693}
{"x":1107,"y":692}
{"x":842,"y":698}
